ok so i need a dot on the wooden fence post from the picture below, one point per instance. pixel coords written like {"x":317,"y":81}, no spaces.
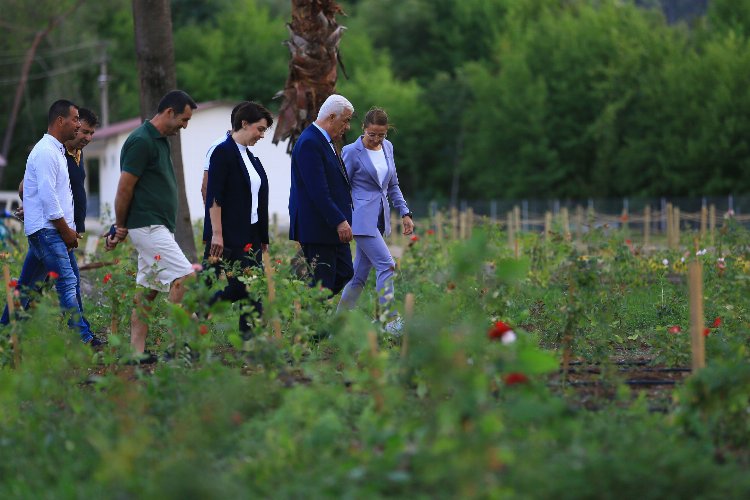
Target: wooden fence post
{"x":547,"y":226}
{"x":517,"y":219}
{"x":712,"y":222}
{"x":704,"y":221}
{"x":697,"y":339}
{"x":462,"y":225}
{"x":676,"y":228}
{"x":439,"y":226}
{"x":646,"y":225}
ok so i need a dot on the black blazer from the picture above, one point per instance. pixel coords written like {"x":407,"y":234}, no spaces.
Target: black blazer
{"x":229,"y":186}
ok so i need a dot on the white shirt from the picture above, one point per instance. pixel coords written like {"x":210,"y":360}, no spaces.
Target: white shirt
{"x":378,"y":160}
{"x":254,"y":180}
{"x":211,"y":148}
{"x":46,"y":187}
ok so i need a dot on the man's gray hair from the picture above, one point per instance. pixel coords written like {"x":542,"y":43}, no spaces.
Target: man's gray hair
{"x":334,"y":105}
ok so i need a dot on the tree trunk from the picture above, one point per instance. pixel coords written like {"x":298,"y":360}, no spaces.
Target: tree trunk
{"x":313,"y":44}
{"x":154,"y":50}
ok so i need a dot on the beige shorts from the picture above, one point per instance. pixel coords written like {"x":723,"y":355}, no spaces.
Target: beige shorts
{"x":160,"y":259}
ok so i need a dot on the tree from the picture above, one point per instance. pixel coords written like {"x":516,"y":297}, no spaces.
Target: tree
{"x":314,"y":46}
{"x":156,"y":69}
{"x":52,"y":23}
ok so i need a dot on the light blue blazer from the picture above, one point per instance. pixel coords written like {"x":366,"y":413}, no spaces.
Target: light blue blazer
{"x":368,"y":195}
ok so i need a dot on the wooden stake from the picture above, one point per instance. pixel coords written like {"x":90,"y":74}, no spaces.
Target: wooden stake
{"x":12,"y":317}
{"x":712,"y":222}
{"x":697,"y":339}
{"x":565,"y":220}
{"x":646,"y":225}
{"x":469,"y":222}
{"x":517,"y":218}
{"x":547,"y":226}
{"x":408,"y":315}
{"x":704,"y":221}
{"x":439,"y":226}
{"x":375,"y":371}
{"x":579,"y":222}
{"x":670,"y":226}
{"x":511,"y":230}
{"x":676,"y":228}
{"x":454,"y":223}
{"x":462,"y":225}
{"x":275,"y":322}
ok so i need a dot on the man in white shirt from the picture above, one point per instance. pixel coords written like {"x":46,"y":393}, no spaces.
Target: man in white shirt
{"x":48,"y":211}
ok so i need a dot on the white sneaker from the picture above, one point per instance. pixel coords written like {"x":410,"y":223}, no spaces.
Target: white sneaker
{"x":394,"y":327}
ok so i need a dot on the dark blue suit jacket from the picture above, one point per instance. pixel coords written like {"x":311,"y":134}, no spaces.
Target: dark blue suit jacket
{"x":229,"y":185}
{"x":320,"y":197}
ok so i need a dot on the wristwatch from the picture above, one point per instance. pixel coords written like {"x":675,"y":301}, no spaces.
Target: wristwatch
{"x":407,"y":214}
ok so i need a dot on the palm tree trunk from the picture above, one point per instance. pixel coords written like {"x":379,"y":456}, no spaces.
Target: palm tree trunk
{"x":313,"y":44}
{"x":154,"y":49}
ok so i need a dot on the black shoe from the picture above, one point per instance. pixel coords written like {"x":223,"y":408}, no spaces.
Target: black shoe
{"x":96,"y":342}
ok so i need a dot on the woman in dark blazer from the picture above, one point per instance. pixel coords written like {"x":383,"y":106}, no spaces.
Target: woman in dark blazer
{"x":235,"y":227}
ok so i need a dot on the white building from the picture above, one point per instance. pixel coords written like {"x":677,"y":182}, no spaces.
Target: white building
{"x":208,"y":123}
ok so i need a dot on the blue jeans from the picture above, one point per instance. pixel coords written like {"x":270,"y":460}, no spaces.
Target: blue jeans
{"x":47,"y":252}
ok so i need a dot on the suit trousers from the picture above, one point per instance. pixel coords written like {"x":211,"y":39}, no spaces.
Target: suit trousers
{"x":372,"y":251}
{"x":331,"y":265}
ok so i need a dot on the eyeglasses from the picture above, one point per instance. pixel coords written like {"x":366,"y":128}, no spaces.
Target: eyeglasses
{"x":374,"y":136}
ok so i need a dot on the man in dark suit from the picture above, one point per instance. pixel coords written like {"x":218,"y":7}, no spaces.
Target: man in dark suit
{"x":320,"y":199}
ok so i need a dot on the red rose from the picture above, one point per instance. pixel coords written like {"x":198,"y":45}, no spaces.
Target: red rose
{"x":106,"y":278}
{"x":53,"y":275}
{"x":716,"y":323}
{"x":157,"y":257}
{"x":430,"y":231}
{"x":203,"y":329}
{"x":706,"y":332}
{"x":12,"y":283}
{"x":248,"y":247}
{"x":501,"y":331}
{"x":674,"y":329}
{"x":515,"y":378}
{"x":415,"y":238}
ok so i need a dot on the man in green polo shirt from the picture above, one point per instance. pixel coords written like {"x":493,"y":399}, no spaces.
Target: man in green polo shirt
{"x":146,"y":209}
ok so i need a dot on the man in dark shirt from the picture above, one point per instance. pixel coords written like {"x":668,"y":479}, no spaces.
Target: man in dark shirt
{"x":34,"y":271}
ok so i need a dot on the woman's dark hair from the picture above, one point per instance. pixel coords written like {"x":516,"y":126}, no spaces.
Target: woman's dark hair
{"x":376,"y":116}
{"x":250,"y":112}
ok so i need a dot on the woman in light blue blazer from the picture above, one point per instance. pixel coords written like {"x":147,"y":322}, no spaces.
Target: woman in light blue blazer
{"x":372,"y":175}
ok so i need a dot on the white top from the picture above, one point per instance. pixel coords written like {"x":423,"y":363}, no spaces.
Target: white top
{"x":254,"y":180}
{"x":211,"y":150}
{"x":378,"y":160}
{"x":46,"y":187}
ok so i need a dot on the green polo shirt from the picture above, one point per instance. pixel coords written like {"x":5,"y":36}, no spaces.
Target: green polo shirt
{"x":146,"y":155}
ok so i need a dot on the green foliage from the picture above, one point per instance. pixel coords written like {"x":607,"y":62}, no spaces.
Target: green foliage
{"x":333,"y":407}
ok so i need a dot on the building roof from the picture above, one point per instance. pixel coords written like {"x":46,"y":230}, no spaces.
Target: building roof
{"x":122,"y":127}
